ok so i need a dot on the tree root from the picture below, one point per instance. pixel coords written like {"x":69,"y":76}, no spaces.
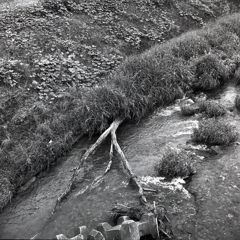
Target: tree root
{"x":114,"y":144}
{"x":127,"y":166}
{"x":99,"y":179}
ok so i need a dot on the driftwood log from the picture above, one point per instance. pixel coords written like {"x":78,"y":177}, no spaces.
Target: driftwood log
{"x":114,"y":145}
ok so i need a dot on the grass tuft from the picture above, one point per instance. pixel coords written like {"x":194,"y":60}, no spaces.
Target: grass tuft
{"x":190,"y":45}
{"x":210,"y":72}
{"x":214,"y":132}
{"x":175,"y":163}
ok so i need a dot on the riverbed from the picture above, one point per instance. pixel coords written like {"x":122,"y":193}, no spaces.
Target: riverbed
{"x":211,"y":212}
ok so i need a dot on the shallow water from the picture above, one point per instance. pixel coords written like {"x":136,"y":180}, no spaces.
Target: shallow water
{"x":212,"y":211}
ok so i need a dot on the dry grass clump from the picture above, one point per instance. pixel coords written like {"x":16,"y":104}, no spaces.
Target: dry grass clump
{"x":175,"y":163}
{"x":237,"y":102}
{"x":212,"y":109}
{"x":210,"y":72}
{"x":214,"y":132}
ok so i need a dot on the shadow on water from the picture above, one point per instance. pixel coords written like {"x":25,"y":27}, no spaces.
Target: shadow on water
{"x":212,"y":211}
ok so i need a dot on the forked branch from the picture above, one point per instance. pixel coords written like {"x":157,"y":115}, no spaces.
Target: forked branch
{"x":112,"y":129}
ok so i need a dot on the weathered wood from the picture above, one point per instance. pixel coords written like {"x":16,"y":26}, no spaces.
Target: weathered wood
{"x":165,"y":233}
{"x":114,"y":144}
{"x":77,"y":169}
{"x":127,"y":166}
{"x":98,"y":179}
{"x":156,"y":219}
{"x":110,"y":159}
{"x":149,"y":190}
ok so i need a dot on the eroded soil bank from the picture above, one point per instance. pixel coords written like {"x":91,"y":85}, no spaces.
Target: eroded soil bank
{"x":211,"y":211}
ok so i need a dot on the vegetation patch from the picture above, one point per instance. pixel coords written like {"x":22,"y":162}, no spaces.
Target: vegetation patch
{"x":214,"y":132}
{"x":212,"y":109}
{"x":175,"y":163}
{"x":193,"y":46}
{"x":210,"y":72}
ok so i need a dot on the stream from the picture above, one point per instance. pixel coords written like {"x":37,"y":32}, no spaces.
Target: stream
{"x":211,"y":212}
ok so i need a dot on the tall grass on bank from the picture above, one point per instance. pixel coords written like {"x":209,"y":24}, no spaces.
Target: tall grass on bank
{"x":210,"y":72}
{"x":214,"y":132}
{"x":37,"y":133}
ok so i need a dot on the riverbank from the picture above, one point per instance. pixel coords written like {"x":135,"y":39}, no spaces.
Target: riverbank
{"x":212,"y":209}
{"x":47,"y":66}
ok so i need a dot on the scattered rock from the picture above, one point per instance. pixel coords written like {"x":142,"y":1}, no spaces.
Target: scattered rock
{"x":200,"y":97}
{"x":61,"y":237}
{"x":83,"y":230}
{"x":215,"y":150}
{"x":122,"y":219}
{"x":129,"y":230}
{"x":95,"y":235}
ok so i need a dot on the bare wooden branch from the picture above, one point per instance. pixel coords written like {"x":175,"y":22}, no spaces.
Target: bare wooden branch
{"x":165,"y":233}
{"x":76,"y":170}
{"x":149,"y":190}
{"x":114,"y":144}
{"x":98,"y":179}
{"x":110,"y":159}
{"x":156,"y":219}
{"x":127,"y":166}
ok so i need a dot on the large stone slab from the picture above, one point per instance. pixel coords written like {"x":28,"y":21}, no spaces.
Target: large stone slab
{"x":122,"y":219}
{"x":129,"y":230}
{"x":95,"y":235}
{"x":83,"y":230}
{"x":150,"y":225}
{"x":114,"y":233}
{"x":79,"y":237}
{"x":103,"y":228}
{"x":143,"y":228}
{"x":61,"y":237}
{"x":126,"y":229}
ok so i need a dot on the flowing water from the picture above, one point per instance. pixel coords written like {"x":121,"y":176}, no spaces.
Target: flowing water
{"x":211,"y":212}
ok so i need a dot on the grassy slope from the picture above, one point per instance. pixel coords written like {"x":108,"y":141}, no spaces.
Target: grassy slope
{"x":48,"y":57}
